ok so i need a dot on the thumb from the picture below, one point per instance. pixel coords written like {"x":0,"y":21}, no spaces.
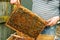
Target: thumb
{"x":49,"y":20}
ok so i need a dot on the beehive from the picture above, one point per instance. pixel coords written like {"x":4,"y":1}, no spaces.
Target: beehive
{"x":21,"y":36}
{"x":15,"y":37}
{"x":45,"y":37}
{"x":27,"y":22}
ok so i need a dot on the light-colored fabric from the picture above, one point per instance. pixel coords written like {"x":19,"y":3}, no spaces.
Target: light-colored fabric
{"x":46,"y":9}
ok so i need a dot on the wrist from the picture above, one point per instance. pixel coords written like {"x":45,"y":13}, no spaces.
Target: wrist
{"x":58,"y":18}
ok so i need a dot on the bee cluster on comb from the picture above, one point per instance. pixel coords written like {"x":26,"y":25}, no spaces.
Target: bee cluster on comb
{"x":27,"y":22}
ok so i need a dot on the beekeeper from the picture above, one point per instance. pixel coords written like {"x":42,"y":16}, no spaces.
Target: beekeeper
{"x":47,"y":9}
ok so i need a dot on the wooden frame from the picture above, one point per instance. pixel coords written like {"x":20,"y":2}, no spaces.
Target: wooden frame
{"x":31,"y":25}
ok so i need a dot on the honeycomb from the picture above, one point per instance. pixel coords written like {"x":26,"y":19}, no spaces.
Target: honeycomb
{"x":27,"y":22}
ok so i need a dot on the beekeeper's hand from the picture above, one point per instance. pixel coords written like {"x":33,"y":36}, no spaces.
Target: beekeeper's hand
{"x":14,"y":1}
{"x":52,"y":21}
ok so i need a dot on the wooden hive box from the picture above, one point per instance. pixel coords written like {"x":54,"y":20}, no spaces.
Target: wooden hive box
{"x":15,"y":37}
{"x":27,"y":22}
{"x":45,"y":37}
{"x":19,"y":36}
